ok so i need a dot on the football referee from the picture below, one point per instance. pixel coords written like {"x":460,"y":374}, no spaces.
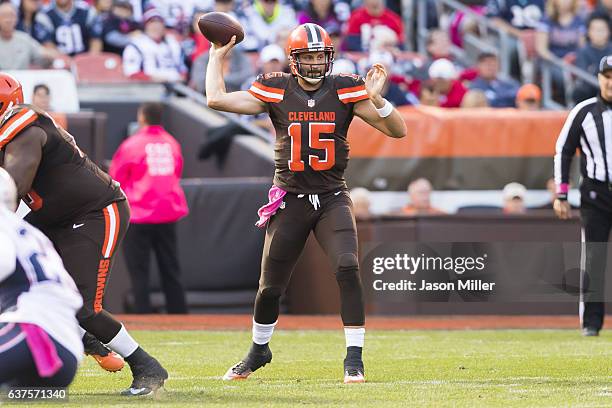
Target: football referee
{"x":589,"y":127}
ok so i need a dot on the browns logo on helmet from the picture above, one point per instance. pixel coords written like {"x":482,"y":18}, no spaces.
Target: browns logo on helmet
{"x":11,"y":92}
{"x":310,"y":38}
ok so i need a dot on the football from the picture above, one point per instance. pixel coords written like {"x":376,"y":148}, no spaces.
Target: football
{"x":219,"y":28}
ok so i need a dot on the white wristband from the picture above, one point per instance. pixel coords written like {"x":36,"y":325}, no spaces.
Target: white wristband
{"x":385,"y":110}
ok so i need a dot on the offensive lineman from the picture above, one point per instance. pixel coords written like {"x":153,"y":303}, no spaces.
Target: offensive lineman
{"x":311,"y":111}
{"x":40,"y":343}
{"x":83,"y":212}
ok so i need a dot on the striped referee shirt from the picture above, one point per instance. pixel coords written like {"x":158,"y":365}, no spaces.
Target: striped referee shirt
{"x":588,"y":127}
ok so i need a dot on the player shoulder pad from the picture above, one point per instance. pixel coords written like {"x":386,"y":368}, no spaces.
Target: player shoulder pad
{"x":270,"y":87}
{"x":350,"y":88}
{"x":15,"y":121}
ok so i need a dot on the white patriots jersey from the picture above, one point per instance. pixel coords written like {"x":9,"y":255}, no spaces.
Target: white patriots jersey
{"x":34,"y":285}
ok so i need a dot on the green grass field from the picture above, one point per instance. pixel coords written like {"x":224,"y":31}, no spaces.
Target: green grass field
{"x":538,"y":368}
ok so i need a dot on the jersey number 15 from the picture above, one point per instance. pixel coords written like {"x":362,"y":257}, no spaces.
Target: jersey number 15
{"x":315,"y":130}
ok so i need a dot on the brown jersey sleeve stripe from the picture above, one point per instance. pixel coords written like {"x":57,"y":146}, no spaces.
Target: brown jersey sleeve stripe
{"x":352,"y":89}
{"x":15,"y":125}
{"x":265,"y":93}
{"x":353,"y":94}
{"x":270,"y":89}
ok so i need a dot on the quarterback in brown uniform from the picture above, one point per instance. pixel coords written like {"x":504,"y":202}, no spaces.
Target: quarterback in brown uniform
{"x":311,"y":111}
{"x":84,"y":213}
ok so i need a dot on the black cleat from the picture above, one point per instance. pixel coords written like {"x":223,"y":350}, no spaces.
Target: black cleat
{"x":353,"y":366}
{"x":258,"y":356}
{"x":148,"y":378}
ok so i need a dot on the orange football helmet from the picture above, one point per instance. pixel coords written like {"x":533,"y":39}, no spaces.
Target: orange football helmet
{"x":11,"y":92}
{"x":310,"y":38}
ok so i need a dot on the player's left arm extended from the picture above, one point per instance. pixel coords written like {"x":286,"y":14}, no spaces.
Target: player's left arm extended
{"x":376,"y":110}
{"x":22,"y":156}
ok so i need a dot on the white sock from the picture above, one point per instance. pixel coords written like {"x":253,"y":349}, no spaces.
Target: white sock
{"x":354,"y":337}
{"x":262,"y":333}
{"x":123,"y":344}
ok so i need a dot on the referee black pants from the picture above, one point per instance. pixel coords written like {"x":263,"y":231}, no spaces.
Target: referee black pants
{"x":139,"y":241}
{"x":596,"y":213}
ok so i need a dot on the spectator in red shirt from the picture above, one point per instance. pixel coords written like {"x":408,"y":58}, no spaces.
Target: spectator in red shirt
{"x":444,"y":76}
{"x":149,"y":165}
{"x":363,"y":23}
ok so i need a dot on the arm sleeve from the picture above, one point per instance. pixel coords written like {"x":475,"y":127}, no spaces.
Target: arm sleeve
{"x":567,"y":143}
{"x":8,"y":256}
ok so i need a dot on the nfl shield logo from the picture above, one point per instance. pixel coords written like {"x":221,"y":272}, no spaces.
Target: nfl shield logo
{"x":311,"y":103}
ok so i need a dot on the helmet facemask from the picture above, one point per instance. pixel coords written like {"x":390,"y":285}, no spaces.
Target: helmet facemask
{"x":308,"y":71}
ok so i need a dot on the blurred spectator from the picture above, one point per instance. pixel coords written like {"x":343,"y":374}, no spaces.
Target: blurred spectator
{"x":419,"y":194}
{"x":237,"y":68}
{"x":561,"y":32}
{"x":518,"y":18}
{"x":30,"y":22}
{"x":264,"y":20}
{"x":391,"y":91}
{"x":514,"y":198}
{"x":500,"y":93}
{"x":474,"y":98}
{"x":361,"y":203}
{"x":102,"y":6}
{"x":444,"y":76}
{"x":149,"y":165}
{"x":514,"y":16}
{"x":529,"y":98}
{"x":153,"y":55}
{"x":462,"y":23}
{"x":177,"y":14}
{"x":428,"y":94}
{"x":438,"y":46}
{"x":271,"y":59}
{"x":41,"y":97}
{"x":598,"y":46}
{"x":323,"y":13}
{"x":365,"y":21}
{"x":72,"y":25}
{"x":118,"y":27}
{"x":19,"y":50}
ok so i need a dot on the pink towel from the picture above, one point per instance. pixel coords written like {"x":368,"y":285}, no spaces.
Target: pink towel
{"x":43,"y":350}
{"x":275,"y":199}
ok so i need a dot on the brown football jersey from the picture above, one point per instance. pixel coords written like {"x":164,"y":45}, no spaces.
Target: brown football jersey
{"x":67,"y":183}
{"x":311,"y":151}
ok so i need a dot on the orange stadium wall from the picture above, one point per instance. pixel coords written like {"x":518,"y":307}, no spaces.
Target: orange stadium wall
{"x":457,"y":149}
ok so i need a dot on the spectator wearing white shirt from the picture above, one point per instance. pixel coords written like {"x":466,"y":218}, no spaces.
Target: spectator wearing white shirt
{"x":264,"y":20}
{"x":153,"y":55}
{"x":18,"y":48}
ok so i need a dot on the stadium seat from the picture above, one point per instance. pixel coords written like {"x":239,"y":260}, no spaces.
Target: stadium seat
{"x":64,"y":96}
{"x":62,"y":62}
{"x":98,"y":68}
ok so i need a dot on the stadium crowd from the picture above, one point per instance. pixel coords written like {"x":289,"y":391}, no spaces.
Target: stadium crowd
{"x":158,"y":40}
